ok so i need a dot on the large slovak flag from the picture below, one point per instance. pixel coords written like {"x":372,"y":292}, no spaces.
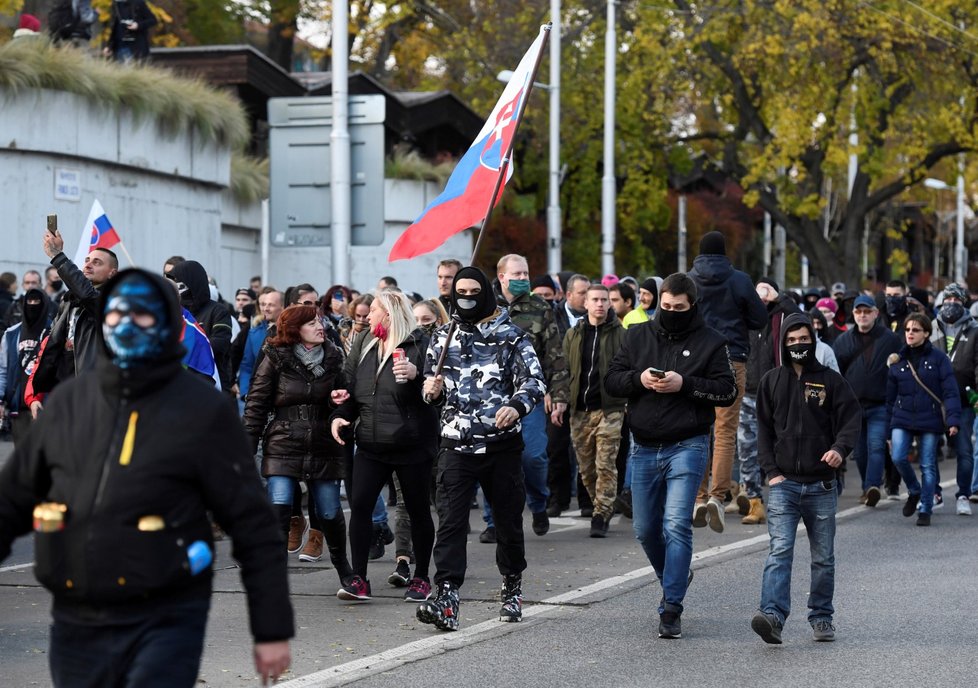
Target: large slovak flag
{"x":465,"y":200}
{"x":98,"y":232}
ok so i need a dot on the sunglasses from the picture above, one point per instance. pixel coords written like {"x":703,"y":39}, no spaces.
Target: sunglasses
{"x":913,"y":329}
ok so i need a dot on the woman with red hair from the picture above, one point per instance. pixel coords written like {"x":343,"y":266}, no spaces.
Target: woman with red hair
{"x":293,"y":383}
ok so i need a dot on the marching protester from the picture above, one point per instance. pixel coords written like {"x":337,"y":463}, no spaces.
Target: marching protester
{"x":808,"y":420}
{"x":491,"y":379}
{"x":129,"y":459}
{"x":955,"y":332}
{"x":395,"y":433}
{"x":922,"y":400}
{"x":596,"y":416}
{"x":20,"y":345}
{"x":293,"y":382}
{"x":674,"y":371}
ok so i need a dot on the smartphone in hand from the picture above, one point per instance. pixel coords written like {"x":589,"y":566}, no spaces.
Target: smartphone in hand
{"x":656,"y":373}
{"x":53,"y":225}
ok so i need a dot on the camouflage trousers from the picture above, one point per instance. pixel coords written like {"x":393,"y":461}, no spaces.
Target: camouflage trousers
{"x":596,"y":435}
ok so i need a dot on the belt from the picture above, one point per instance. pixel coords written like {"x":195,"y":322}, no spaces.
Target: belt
{"x":300,"y":412}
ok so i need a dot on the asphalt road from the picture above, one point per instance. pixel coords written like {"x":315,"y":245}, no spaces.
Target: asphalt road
{"x":904,"y":600}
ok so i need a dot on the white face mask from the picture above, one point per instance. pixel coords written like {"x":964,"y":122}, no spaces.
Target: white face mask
{"x":466,"y":303}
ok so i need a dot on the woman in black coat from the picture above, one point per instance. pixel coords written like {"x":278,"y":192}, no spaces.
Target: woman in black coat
{"x":395,"y":433}
{"x":294,"y":381}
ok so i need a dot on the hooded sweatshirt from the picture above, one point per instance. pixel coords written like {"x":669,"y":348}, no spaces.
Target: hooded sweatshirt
{"x":801,"y":417}
{"x":213,"y":317}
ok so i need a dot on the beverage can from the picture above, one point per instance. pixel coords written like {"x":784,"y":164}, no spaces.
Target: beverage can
{"x":399,"y":356}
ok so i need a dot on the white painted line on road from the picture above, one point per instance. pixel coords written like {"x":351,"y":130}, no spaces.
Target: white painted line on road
{"x":432,"y":645}
{"x":17,"y":567}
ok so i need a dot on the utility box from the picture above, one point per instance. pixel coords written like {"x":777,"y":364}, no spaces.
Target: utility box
{"x":300,"y":203}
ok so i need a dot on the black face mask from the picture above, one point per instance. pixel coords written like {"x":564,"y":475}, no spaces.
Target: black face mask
{"x":56,"y":285}
{"x":952,"y":311}
{"x":802,"y":354}
{"x":896,"y":305}
{"x":429,"y":329}
{"x":676,"y":322}
{"x":472,"y":309}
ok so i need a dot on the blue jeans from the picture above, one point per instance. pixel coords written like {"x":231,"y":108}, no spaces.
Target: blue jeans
{"x":750,"y":470}
{"x":535,"y":464}
{"x":379,"y":515}
{"x":665,"y":479}
{"x":160,"y":651}
{"x":870,"y":452}
{"x":965,"y":449}
{"x":326,"y":494}
{"x":815,"y":505}
{"x":928,"y":464}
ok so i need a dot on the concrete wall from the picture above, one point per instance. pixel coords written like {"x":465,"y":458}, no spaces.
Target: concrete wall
{"x":162,"y":193}
{"x":168,"y":196}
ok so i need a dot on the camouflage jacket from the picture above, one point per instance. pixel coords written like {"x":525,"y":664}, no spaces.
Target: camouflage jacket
{"x":536,"y":318}
{"x":489,"y":365}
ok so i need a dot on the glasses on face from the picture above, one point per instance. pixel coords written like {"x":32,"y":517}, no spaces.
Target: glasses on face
{"x":307,"y":303}
{"x":913,"y":329}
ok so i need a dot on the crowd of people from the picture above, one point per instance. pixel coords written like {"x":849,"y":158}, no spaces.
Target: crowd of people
{"x":672,"y":401}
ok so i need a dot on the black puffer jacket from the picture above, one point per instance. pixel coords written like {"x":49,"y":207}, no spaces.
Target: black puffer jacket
{"x":82,"y":299}
{"x":297,"y":442}
{"x":156,"y":445}
{"x":393,"y":419}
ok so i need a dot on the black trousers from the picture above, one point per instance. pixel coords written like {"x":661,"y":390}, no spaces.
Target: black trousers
{"x":501,"y":476}
{"x":370,"y":474}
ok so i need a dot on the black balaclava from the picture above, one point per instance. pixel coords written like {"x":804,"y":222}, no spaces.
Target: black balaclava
{"x":191,"y":279}
{"x":472,"y":309}
{"x":35,"y":315}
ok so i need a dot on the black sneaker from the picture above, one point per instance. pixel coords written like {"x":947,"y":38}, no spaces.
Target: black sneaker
{"x":401,"y":575}
{"x":670,"y":626}
{"x":512,"y":597}
{"x":923,"y":519}
{"x":441,"y":612}
{"x":599,"y":527}
{"x":623,"y":503}
{"x":376,"y":545}
{"x":768,"y":627}
{"x":910,"y":505}
{"x":488,"y":536}
{"x":823,"y":631}
{"x":541,"y":523}
{"x":587,"y":511}
{"x":873,"y":496}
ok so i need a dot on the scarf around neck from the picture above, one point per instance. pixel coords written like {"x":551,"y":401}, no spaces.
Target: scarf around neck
{"x":311,"y":358}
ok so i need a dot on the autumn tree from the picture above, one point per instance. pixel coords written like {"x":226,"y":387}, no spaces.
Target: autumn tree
{"x":767,"y":90}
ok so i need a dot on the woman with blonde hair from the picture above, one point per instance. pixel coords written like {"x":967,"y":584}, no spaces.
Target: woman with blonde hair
{"x":396,"y":432}
{"x":430,"y":315}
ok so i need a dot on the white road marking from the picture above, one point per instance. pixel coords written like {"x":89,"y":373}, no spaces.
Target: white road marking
{"x":436,"y":644}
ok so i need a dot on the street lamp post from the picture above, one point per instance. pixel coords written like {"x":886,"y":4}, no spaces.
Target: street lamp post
{"x":553,"y":206}
{"x":608,"y":179}
{"x":960,"y":253}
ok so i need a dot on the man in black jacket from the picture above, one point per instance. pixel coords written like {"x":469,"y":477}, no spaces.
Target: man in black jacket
{"x":674,"y":370}
{"x":120,"y":473}
{"x":862,"y":353}
{"x":728,"y":304}
{"x":213,"y":317}
{"x":808,"y":419}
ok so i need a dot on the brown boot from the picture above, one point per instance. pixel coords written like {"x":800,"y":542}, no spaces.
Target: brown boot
{"x":298,"y":533}
{"x":756,"y":514}
{"x":313,"y":551}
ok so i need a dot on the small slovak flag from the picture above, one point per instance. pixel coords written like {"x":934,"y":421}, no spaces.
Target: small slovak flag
{"x":98,"y":232}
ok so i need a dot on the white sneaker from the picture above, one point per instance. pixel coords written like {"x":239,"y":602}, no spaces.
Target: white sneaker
{"x":714,"y":514}
{"x":964,"y":508}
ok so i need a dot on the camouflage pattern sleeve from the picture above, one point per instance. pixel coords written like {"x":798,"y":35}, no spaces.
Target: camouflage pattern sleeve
{"x":528,"y":381}
{"x":555,"y":362}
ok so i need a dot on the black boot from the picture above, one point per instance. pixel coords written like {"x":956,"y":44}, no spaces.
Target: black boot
{"x":334,"y":530}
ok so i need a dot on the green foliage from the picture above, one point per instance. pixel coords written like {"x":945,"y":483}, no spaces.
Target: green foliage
{"x":177,"y":104}
{"x":407,"y":164}
{"x":249,"y":178}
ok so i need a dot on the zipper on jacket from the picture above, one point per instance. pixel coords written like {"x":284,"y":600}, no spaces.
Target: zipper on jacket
{"x":594,"y":348}
{"x":114,"y":450}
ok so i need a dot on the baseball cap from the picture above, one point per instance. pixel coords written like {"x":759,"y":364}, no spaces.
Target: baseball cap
{"x":864,"y":301}
{"x":838,"y":288}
